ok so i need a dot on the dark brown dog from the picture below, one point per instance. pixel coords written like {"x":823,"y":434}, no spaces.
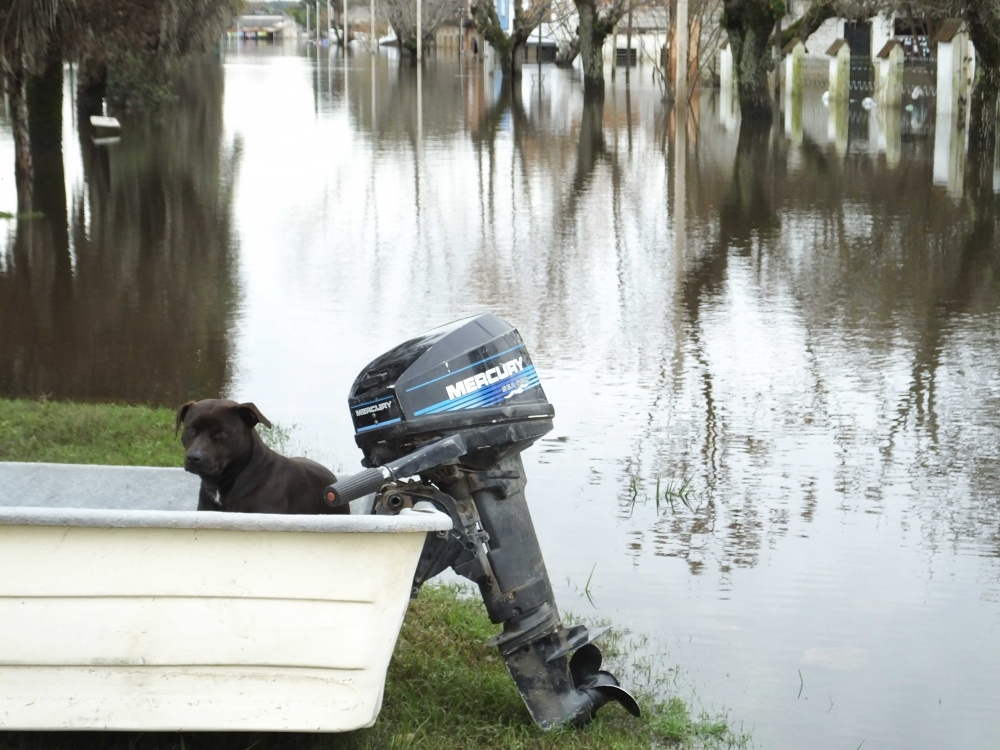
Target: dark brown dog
{"x":241,"y":474}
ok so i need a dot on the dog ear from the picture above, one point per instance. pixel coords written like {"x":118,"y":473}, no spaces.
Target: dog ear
{"x":180,"y":415}
{"x":251,"y":415}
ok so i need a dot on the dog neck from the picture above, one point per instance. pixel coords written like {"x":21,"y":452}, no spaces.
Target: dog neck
{"x":222,"y":483}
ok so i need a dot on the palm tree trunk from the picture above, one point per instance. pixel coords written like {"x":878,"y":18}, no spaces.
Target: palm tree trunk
{"x":24,"y":173}
{"x":44,"y":96}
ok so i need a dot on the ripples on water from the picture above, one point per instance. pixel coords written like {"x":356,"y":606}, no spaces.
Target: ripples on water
{"x":801,"y":331}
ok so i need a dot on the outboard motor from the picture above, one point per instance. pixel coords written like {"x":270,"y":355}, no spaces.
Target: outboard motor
{"x":443,"y":418}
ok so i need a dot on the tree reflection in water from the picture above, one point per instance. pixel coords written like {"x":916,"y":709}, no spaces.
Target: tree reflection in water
{"x":106,"y":301}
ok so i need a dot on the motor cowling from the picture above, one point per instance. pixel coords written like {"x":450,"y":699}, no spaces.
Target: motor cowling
{"x":443,"y":418}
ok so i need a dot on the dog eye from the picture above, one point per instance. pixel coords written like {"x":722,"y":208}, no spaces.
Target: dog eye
{"x":220,"y":435}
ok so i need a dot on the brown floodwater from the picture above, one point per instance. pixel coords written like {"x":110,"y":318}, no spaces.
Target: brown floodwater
{"x":774,"y":357}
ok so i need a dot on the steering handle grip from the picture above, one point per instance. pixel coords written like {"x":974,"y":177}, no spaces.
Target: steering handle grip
{"x":357,"y":485}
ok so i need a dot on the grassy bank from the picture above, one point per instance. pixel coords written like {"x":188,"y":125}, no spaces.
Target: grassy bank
{"x":446,"y":689}
{"x":57,"y":432}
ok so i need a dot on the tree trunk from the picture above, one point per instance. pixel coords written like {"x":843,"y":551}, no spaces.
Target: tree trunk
{"x":24,"y":173}
{"x":50,"y":244}
{"x":506,"y":60}
{"x":591,"y":46}
{"x":749,"y":24}
{"x":485,"y":16}
{"x":516,"y":58}
{"x":44,"y":95}
{"x":566,"y":55}
{"x":983,"y":110}
{"x":983,"y":21}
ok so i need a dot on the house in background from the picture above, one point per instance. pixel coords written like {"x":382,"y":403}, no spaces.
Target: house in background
{"x":260,"y":26}
{"x":866,"y":38}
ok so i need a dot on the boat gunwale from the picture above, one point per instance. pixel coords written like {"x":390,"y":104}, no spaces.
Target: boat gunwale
{"x":408,"y":520}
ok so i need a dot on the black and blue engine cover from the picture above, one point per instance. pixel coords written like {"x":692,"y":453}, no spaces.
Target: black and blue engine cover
{"x":472,"y":372}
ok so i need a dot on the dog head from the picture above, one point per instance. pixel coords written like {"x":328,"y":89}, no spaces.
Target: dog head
{"x":217,"y":433}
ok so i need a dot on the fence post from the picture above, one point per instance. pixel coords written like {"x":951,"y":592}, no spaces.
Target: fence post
{"x":889,"y":84}
{"x":952,"y":66}
{"x":952,"y":97}
{"x":840,"y":70}
{"x":795,"y":52}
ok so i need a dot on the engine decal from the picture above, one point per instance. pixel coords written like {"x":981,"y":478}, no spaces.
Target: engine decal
{"x":483,"y":379}
{"x":467,"y":367}
{"x":513,"y":384}
{"x":376,"y":413}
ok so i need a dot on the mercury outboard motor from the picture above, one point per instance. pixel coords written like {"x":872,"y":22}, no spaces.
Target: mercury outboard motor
{"x":443,"y":418}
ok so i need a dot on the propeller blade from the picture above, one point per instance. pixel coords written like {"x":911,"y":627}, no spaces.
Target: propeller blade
{"x":585,"y":663}
{"x":620,"y":694}
{"x":585,"y":666}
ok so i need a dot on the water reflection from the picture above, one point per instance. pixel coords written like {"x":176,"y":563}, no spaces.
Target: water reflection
{"x":851,"y":247}
{"x":101,"y":301}
{"x":792,"y":331}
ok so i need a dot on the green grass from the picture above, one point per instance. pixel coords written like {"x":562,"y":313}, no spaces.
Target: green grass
{"x":446,"y":688}
{"x":666,"y":494}
{"x":58,"y":432}
{"x":111,"y":434}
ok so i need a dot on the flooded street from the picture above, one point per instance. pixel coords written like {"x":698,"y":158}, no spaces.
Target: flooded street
{"x":774,"y":358}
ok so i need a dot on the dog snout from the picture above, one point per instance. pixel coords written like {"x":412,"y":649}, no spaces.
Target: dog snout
{"x":193,"y":460}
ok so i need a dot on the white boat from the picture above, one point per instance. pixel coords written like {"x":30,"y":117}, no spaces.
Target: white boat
{"x":122,"y":608}
{"x":105,"y":123}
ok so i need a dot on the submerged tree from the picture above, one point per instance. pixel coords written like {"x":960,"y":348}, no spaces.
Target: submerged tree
{"x":983,"y":19}
{"x":130,"y":43}
{"x":597,"y":19}
{"x":402,"y":16}
{"x":508,"y":44}
{"x":126,"y":48}
{"x":750,"y":24}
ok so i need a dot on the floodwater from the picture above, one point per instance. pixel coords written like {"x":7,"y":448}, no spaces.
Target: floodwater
{"x":774,"y":360}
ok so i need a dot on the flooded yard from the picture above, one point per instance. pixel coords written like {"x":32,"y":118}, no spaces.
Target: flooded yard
{"x":773,"y":359}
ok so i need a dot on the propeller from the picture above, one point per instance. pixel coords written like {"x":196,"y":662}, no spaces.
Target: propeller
{"x":585,"y":666}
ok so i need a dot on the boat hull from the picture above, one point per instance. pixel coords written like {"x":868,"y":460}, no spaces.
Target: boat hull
{"x":180,"y":620}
